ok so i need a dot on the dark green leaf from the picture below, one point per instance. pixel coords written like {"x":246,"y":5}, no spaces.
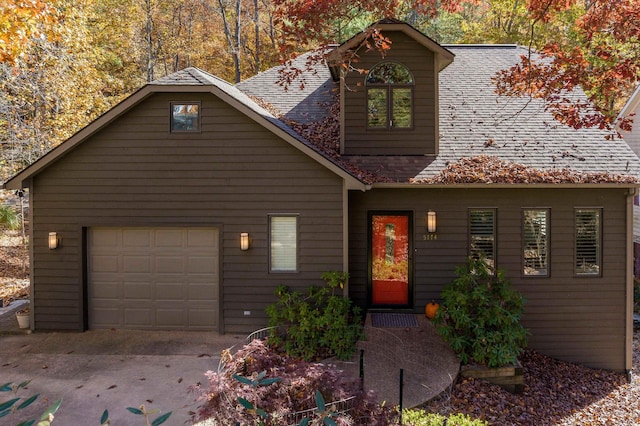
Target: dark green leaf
{"x":304,"y":422}
{"x":24,"y":384}
{"x":8,"y":404}
{"x":243,"y":380}
{"x":267,"y":382}
{"x":26,"y":423}
{"x":329,"y":421}
{"x":320,"y":402}
{"x":135,"y":410}
{"x":28,"y":402}
{"x":246,"y":404}
{"x":163,"y":418}
{"x":6,"y":387}
{"x":105,"y":417}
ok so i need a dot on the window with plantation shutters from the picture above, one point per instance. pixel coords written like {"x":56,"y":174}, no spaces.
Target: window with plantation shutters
{"x":535,"y":242}
{"x":283,"y":239}
{"x":588,"y":239}
{"x":482,"y":235}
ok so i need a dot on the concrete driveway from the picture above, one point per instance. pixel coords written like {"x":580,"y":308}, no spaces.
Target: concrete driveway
{"x":109,"y":369}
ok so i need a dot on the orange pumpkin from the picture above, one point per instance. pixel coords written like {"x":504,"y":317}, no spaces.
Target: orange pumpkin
{"x":430,"y":309}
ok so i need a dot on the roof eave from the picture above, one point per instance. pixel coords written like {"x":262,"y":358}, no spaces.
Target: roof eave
{"x":503,"y":185}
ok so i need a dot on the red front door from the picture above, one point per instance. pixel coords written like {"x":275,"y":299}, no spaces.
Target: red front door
{"x":390,"y":260}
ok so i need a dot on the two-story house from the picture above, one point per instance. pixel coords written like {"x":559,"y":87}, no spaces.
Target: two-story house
{"x":184,"y":206}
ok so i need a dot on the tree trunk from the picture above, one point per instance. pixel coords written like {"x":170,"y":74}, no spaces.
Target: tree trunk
{"x":149,"y":40}
{"x":235,"y":49}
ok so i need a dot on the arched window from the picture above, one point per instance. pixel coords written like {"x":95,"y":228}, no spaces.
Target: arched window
{"x":389,"y":97}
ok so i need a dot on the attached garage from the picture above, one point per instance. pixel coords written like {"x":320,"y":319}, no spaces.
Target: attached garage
{"x":153,"y":278}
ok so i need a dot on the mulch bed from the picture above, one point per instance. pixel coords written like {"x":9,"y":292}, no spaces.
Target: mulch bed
{"x":555,"y":393}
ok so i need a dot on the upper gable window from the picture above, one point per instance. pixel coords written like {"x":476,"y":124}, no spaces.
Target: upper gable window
{"x":185,"y":117}
{"x":389,"y":97}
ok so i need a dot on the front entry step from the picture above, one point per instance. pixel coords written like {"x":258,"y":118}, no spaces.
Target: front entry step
{"x":428,"y":364}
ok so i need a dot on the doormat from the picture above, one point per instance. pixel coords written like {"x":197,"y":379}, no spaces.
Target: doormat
{"x":390,"y":320}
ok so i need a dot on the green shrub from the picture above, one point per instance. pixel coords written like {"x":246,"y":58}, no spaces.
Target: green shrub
{"x":415,"y":417}
{"x":9,"y":218}
{"x":480,"y":316}
{"x":319,"y":323}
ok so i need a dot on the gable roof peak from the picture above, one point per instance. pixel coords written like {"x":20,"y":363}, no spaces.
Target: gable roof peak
{"x":391,"y":24}
{"x":190,"y":76}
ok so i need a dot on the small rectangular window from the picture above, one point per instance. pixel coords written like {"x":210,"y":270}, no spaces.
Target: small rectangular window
{"x":588,"y":239}
{"x":283,"y":240}
{"x":482,"y":235}
{"x":185,"y":117}
{"x":535,"y":242}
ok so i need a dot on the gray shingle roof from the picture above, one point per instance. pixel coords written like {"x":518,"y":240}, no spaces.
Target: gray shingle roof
{"x":304,"y":99}
{"x":474,"y":121}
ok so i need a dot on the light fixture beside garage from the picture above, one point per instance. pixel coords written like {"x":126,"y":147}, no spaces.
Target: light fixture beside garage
{"x":244,"y":241}
{"x":54,"y":242}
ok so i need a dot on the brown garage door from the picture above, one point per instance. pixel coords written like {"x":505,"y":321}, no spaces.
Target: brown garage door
{"x":153,"y":278}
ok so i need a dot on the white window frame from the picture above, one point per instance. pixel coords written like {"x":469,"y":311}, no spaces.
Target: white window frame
{"x":283,"y":255}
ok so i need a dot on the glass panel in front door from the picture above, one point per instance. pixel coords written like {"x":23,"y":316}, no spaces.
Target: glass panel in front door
{"x":390,"y":260}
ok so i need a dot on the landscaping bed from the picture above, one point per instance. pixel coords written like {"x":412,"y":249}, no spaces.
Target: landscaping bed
{"x":555,"y":393}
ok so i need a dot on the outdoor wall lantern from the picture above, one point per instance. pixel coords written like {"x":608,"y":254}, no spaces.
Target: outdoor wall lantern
{"x":54,"y":242}
{"x":431,"y":221}
{"x":244,"y":241}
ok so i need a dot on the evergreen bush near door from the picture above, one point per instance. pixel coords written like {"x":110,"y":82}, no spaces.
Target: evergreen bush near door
{"x":480,"y":316}
{"x":318,"y":323}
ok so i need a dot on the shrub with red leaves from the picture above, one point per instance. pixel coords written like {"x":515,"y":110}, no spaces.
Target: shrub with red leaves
{"x":295,"y":391}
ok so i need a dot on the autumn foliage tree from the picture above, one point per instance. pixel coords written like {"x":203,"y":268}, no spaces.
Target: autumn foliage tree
{"x":589,"y":44}
{"x":602,"y":58}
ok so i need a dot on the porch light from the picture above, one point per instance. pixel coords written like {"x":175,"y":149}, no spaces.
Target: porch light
{"x":54,"y":242}
{"x":244,"y":241}
{"x":431,"y":221}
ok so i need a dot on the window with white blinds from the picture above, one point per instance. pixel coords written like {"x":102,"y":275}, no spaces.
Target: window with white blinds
{"x":535,"y":242}
{"x":588,"y":241}
{"x":283,"y":237}
{"x":482,"y":235}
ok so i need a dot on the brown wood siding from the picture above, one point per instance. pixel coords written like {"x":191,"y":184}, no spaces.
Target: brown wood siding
{"x":417,"y":141}
{"x":581,"y":319}
{"x":231,"y":175}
